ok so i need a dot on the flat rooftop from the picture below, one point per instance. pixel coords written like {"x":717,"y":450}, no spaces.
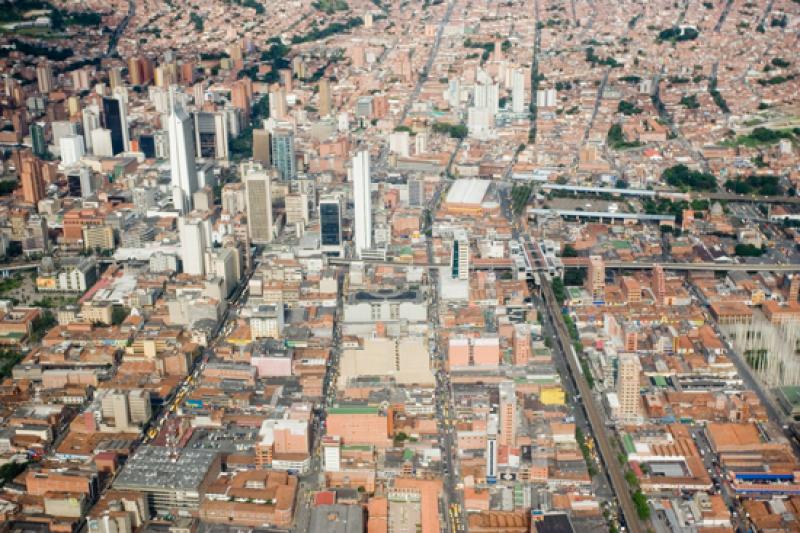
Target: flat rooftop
{"x":156,"y":467}
{"x":468,"y":191}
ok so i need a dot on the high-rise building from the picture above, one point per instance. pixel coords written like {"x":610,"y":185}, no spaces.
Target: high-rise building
{"x":362,"y":202}
{"x":283,"y":153}
{"x":278,"y":108}
{"x":91,"y":121}
{"x":115,"y":119}
{"x":421,"y":143}
{"x":296,"y":208}
{"x":508,"y":414}
{"x":518,"y":91}
{"x":400,"y":143}
{"x":71,"y":148}
{"x":101,"y":142}
{"x":324,"y":97}
{"x":33,"y":188}
{"x":44,"y":77}
{"x":330,"y":223}
{"x":628,"y":386}
{"x":659,"y":285}
{"x":596,"y":278}
{"x":193,"y":245}
{"x":38,"y":140}
{"x":211,"y":135}
{"x":261,"y":147}
{"x":492,"y":424}
{"x":181,"y":156}
{"x":258,"y":185}
{"x":459,"y":257}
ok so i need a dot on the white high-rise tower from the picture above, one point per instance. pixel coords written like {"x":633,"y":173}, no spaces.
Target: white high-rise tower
{"x":181,"y":155}
{"x":362,"y":202}
{"x":518,"y":91}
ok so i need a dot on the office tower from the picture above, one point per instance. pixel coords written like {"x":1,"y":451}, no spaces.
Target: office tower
{"x":90,"y":121}
{"x":101,"y":142}
{"x":193,"y":245}
{"x":362,"y":202}
{"x":38,"y":139}
{"x":115,"y":119}
{"x":181,"y":156}
{"x":33,"y":187}
{"x":459,"y":257}
{"x":399,"y":143}
{"x":518,"y":91}
{"x":147,"y":145}
{"x":416,"y":192}
{"x":211,"y":135}
{"x":330,"y":222}
{"x":596,"y":278}
{"x":283,"y":153}
{"x":44,"y":77}
{"x":60,"y":129}
{"x":258,"y":185}
{"x":115,"y":78}
{"x":80,"y":183}
{"x":324,"y":97}
{"x":261,"y":147}
{"x":277,"y":104}
{"x":508,"y":414}
{"x":660,"y":284}
{"x":296,"y":208}
{"x":492,"y":424}
{"x":487,"y":96}
{"x":71,"y":149}
{"x":241,"y":96}
{"x":628,"y":386}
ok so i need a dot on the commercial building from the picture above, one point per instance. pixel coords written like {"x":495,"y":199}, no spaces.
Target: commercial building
{"x":330,"y":224}
{"x":181,"y":156}
{"x":174,"y":481}
{"x":362,"y":202}
{"x":258,"y":185}
{"x":283,"y":158}
{"x":116,"y":121}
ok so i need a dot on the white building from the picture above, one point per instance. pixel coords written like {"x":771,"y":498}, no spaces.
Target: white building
{"x":193,"y":245}
{"x":101,"y":142}
{"x":181,"y":156}
{"x":399,"y":143}
{"x":518,"y":91}
{"x":71,"y":147}
{"x":362,"y":202}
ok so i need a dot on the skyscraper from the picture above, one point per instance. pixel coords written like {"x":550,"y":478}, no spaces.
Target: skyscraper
{"x":628,"y":386}
{"x":261,"y":146}
{"x":115,"y":118}
{"x":193,"y":245}
{"x":362,"y":202}
{"x":283,"y":153}
{"x":459,"y":257}
{"x":211,"y":135}
{"x":91,"y":122}
{"x":517,"y":91}
{"x":181,"y":156}
{"x":71,"y":149}
{"x":259,"y":205}
{"x":330,"y":223}
{"x":38,"y":139}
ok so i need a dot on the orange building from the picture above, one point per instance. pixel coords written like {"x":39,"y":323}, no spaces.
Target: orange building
{"x":364,"y":424}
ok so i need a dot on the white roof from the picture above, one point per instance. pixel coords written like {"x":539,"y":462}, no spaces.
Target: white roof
{"x":468,"y":191}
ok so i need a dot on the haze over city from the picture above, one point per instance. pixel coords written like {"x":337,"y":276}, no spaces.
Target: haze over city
{"x":399,"y":266}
